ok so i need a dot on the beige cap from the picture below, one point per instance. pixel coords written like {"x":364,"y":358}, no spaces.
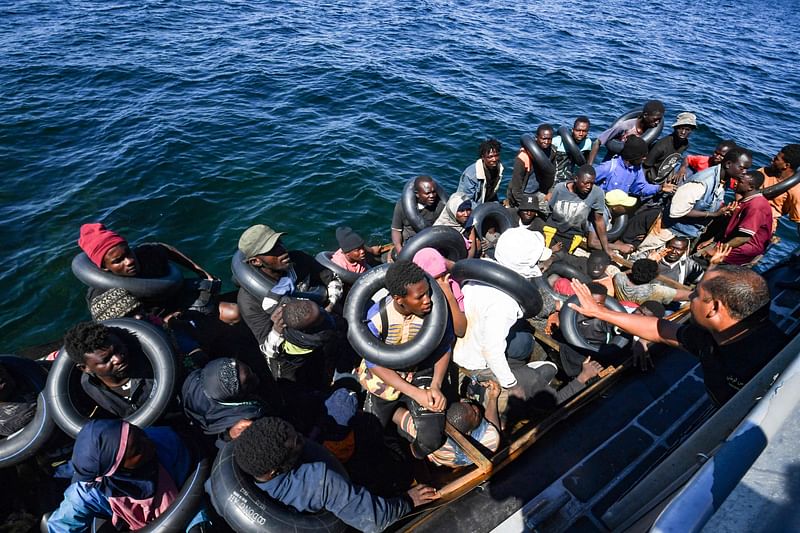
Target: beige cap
{"x":257,"y":240}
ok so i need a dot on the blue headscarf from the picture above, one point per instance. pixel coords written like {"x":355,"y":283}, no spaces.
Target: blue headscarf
{"x":98,"y":455}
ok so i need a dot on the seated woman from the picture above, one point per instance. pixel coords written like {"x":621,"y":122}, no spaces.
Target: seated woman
{"x":222,"y":398}
{"x":110,"y":252}
{"x":17,"y":403}
{"x":123,"y":473}
{"x":436,"y":266}
{"x":455,"y":215}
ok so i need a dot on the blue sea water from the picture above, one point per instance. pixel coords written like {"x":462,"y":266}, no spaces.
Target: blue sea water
{"x":186,"y":122}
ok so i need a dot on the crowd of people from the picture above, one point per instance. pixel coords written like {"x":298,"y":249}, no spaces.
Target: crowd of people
{"x":318,"y":426}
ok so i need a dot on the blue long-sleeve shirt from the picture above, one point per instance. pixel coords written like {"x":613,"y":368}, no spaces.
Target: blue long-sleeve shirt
{"x":320,"y":483}
{"x":615,"y":174}
{"x":83,"y":502}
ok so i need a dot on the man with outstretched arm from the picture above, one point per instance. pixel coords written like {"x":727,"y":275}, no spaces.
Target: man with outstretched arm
{"x":730,"y":331}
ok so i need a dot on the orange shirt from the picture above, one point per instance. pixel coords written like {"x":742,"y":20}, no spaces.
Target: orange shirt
{"x":787,"y":203}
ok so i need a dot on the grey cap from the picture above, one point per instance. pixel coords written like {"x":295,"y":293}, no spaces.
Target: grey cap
{"x":257,"y":240}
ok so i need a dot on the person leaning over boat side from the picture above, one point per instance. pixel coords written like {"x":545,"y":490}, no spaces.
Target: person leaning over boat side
{"x":305,"y":476}
{"x":115,"y":371}
{"x":565,"y":166}
{"x":291,"y":272}
{"x":466,"y":417}
{"x":573,"y":207}
{"x":352,"y":254}
{"x":652,"y":113}
{"x":697,"y":201}
{"x":784,"y":165}
{"x":111,"y":252}
{"x":497,"y":345}
{"x":698,"y":163}
{"x":395,"y":320}
{"x":730,"y":332}
{"x":527,"y":178}
{"x":481,"y":180}
{"x":675,"y":143}
{"x":750,"y":226}
{"x":429,"y":207}
{"x":456,"y":215}
{"x":125,"y":473}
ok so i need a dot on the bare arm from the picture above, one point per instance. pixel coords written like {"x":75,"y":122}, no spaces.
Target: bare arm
{"x":458,"y":316}
{"x":393,"y":379}
{"x":646,"y":327}
{"x":182,"y":259}
{"x":600,"y":227}
{"x":593,"y":153}
{"x":492,"y":414}
{"x":437,"y":398}
{"x":397,"y":239}
{"x":473,"y":245}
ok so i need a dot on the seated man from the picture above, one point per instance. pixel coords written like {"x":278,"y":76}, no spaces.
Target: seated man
{"x":17,"y":403}
{"x":750,"y":227}
{"x":527,"y":177}
{"x":302,"y":337}
{"x":675,"y":263}
{"x":125,"y":474}
{"x":639,"y":285}
{"x":624,"y":172}
{"x":292,"y":273}
{"x":222,"y":398}
{"x":574,"y":206}
{"x":730,"y":331}
{"x":675,"y":143}
{"x":110,"y":252}
{"x":116,"y":373}
{"x":783,"y":166}
{"x":698,"y":163}
{"x":302,"y":474}
{"x":395,"y":320}
{"x":697,"y":201}
{"x":497,"y":345}
{"x":429,"y":207}
{"x":465,"y":417}
{"x":652,"y":114}
{"x":481,"y":180}
{"x":526,"y":214}
{"x":352,"y":254}
{"x":565,"y":166}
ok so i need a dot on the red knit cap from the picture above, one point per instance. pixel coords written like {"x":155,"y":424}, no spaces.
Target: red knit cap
{"x":95,"y":240}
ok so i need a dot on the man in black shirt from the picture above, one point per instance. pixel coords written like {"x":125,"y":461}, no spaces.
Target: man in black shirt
{"x":116,"y":374}
{"x":429,"y":207}
{"x":730,"y":331}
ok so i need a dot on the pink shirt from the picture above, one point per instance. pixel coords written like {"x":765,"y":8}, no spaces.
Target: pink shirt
{"x":339,"y":258}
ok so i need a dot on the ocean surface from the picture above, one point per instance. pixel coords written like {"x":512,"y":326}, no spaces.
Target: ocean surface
{"x":188,"y":121}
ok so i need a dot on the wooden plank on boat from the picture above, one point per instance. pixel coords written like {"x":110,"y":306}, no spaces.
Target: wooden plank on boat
{"x":481,"y":461}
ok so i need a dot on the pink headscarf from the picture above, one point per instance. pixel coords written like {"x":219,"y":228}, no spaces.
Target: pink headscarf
{"x":432,"y":262}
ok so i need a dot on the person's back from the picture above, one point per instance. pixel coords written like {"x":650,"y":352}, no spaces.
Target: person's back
{"x":304,"y":475}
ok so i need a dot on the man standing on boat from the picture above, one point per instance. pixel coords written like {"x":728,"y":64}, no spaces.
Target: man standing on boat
{"x":481,"y":180}
{"x":529,"y":178}
{"x":565,"y":166}
{"x":652,"y":113}
{"x":730,"y":331}
{"x":429,"y":206}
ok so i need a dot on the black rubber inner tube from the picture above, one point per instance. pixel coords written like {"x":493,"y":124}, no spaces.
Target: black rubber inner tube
{"x":324,"y":259}
{"x":667,"y":167}
{"x":566,"y":270}
{"x":448,"y":241}
{"x":649,"y":136}
{"x":494,"y":212}
{"x":781,"y":187}
{"x":502,"y":278}
{"x":248,"y":509}
{"x":570,"y":146}
{"x":27,"y":441}
{"x":539,"y":158}
{"x":568,"y":322}
{"x":544,"y":287}
{"x":159,"y":353}
{"x":409,"y":203}
{"x":88,"y":273}
{"x":617,"y":227}
{"x":250,"y":279}
{"x":371,"y":348}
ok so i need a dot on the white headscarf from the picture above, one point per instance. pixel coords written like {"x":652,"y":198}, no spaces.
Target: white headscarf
{"x":520,"y":249}
{"x":448,"y":215}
